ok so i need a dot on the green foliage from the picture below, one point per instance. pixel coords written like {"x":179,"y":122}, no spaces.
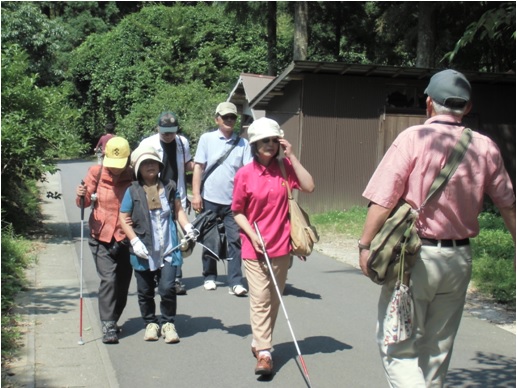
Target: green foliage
{"x":495,"y":277}
{"x":161,"y":47}
{"x":15,"y":258}
{"x":494,"y":251}
{"x":25,"y":25}
{"x":193,"y":103}
{"x":496,"y":27}
{"x":38,"y":125}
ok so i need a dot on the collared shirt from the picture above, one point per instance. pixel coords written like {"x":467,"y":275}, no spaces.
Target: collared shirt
{"x":414,"y":160}
{"x":218,"y":188}
{"x":182,"y":156}
{"x":260,"y":194}
{"x":104,"y":223}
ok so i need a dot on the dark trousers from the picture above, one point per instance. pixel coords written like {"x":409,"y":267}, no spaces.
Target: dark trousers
{"x":234,"y":246}
{"x":114,"y":270}
{"x":146,"y":282}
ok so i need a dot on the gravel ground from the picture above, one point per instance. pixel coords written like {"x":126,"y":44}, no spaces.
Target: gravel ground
{"x":345,"y":250}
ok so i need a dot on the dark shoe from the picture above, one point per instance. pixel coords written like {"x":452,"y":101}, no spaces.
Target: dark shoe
{"x":180,"y":288}
{"x":264,"y":366}
{"x":109,"y":332}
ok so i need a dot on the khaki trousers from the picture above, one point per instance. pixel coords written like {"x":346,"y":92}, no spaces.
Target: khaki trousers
{"x":264,"y":300}
{"x":439,"y":282}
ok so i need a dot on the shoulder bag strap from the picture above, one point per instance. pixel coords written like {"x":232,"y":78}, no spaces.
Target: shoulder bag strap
{"x":452,"y":164}
{"x":282,"y":168}
{"x":207,"y":173}
{"x":184,"y":172}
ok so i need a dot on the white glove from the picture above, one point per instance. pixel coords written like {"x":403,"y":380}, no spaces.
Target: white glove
{"x":190,"y":232}
{"x":139,"y":248}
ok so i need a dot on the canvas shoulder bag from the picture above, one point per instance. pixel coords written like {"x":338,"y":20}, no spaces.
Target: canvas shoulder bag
{"x":303,"y":234}
{"x":398,"y":233}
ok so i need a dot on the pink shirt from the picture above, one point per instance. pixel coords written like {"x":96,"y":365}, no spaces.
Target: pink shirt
{"x":261,"y":195}
{"x":414,"y":160}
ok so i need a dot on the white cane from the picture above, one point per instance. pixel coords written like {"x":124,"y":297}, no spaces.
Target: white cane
{"x":282,"y":304}
{"x":81,"y":342}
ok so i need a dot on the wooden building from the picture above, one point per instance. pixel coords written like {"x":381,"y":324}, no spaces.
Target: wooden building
{"x":341,"y":118}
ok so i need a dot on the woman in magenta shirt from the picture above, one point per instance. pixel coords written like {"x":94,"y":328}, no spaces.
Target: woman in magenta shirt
{"x":260,"y":196}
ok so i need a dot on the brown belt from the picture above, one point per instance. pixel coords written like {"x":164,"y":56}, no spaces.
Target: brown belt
{"x":445,"y":243}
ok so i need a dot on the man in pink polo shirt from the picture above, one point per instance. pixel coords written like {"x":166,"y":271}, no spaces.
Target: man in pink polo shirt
{"x":441,"y":275}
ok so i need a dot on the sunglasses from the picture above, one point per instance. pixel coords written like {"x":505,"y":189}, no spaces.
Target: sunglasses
{"x":268,"y":139}
{"x":229,"y":117}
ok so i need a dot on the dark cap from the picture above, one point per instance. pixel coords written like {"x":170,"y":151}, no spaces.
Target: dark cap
{"x":168,"y":123}
{"x":449,"y":88}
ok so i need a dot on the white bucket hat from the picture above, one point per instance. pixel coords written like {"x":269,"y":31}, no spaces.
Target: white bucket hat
{"x":262,"y":128}
{"x":144,"y":153}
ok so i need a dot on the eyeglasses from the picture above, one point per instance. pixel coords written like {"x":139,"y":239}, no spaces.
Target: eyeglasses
{"x":268,"y":139}
{"x":229,"y":117}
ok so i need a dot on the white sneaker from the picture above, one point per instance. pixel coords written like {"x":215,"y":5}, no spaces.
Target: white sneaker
{"x":152,"y":332}
{"x":210,"y":285}
{"x":170,"y":334}
{"x":238,"y":290}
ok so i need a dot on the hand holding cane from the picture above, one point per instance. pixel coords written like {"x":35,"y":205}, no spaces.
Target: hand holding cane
{"x":80,"y":342}
{"x":302,"y":362}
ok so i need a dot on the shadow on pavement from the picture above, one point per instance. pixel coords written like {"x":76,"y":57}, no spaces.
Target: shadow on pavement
{"x":495,"y":371}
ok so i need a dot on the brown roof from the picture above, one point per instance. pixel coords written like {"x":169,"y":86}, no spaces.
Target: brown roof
{"x":297,"y":68}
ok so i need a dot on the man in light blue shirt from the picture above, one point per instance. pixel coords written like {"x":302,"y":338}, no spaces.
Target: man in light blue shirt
{"x":217,"y":190}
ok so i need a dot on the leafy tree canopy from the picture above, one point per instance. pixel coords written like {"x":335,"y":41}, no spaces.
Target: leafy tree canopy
{"x":162,"y":50}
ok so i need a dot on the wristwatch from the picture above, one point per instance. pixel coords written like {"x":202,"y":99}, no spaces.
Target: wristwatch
{"x":362,"y":246}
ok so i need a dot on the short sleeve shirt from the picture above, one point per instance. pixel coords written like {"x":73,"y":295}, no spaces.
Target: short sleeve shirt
{"x":415,"y":158}
{"x":218,"y":187}
{"x":260,"y":194}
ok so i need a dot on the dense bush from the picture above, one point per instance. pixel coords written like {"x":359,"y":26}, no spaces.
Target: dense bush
{"x":493,"y":269}
{"x":181,"y":58}
{"x":38,"y":125}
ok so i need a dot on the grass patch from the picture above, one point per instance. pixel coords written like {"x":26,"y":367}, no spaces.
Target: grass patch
{"x":493,"y":249}
{"x":348,"y":223}
{"x":16,"y":257}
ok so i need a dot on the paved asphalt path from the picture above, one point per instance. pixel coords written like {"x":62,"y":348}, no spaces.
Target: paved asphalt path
{"x":332,"y":311}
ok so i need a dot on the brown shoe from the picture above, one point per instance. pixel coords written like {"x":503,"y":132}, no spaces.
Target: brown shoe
{"x":264,"y":366}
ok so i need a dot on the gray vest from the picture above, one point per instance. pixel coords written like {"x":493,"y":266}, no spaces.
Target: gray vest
{"x":140,"y":216}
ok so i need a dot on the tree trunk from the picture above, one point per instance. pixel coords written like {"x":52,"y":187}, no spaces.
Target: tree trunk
{"x":271,"y":37}
{"x":301,"y":39}
{"x":426,"y":34}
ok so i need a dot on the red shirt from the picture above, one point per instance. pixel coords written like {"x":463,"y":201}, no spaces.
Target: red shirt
{"x":103,"y":140}
{"x":104,"y":223}
{"x":261,"y":195}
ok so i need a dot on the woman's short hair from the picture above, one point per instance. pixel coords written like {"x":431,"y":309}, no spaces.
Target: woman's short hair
{"x":254,"y":150}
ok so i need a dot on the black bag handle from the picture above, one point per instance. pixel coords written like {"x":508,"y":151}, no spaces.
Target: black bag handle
{"x":207,"y":173}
